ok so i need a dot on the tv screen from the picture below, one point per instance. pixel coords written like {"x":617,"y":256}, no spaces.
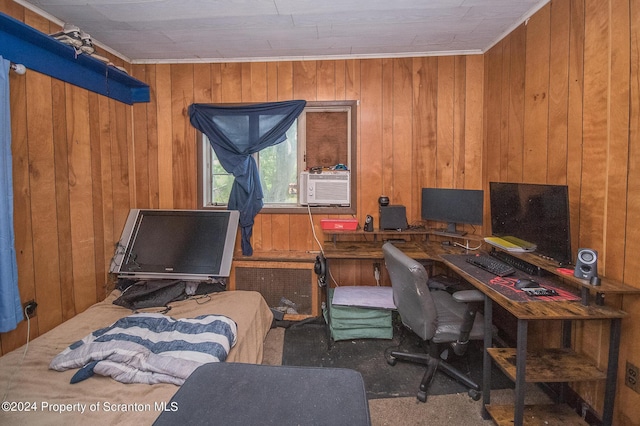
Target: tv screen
{"x":536,"y":213}
{"x":453,"y":206}
{"x":177,"y":244}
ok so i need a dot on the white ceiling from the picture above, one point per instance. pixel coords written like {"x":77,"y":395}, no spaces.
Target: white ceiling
{"x":248,"y":30}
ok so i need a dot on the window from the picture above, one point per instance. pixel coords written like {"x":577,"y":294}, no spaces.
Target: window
{"x":324,"y":135}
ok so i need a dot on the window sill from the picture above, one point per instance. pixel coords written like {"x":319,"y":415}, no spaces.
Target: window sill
{"x":305,"y":210}
{"x":295,"y":210}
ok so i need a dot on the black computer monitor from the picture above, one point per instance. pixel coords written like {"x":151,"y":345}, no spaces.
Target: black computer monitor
{"x":535,"y":213}
{"x":176,"y":244}
{"x":453,"y":206}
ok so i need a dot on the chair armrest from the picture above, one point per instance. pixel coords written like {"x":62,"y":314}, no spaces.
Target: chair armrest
{"x":468,"y":296}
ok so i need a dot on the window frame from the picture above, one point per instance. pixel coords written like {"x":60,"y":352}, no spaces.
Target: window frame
{"x":351,"y":107}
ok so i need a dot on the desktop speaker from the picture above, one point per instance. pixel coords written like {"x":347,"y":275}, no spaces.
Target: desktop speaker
{"x":393,"y":217}
{"x":586,"y":264}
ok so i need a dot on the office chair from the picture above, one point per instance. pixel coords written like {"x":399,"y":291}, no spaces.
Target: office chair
{"x":436,"y":316}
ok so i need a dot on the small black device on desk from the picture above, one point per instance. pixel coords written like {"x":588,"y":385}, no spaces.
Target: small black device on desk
{"x":533,"y":288}
{"x":368,"y":224}
{"x":526,"y":283}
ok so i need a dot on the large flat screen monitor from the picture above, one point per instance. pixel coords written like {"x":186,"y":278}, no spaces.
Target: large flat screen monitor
{"x":453,"y":206}
{"x":176,"y":244}
{"x":536,"y":213}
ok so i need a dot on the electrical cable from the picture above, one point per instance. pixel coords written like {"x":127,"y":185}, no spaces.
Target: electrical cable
{"x":24,"y":354}
{"x":313,"y":230}
{"x":466,"y":247}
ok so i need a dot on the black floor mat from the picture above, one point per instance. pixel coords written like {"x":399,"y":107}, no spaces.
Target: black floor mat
{"x":307,"y":345}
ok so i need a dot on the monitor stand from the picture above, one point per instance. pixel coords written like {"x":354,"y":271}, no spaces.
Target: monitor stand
{"x":451,"y":229}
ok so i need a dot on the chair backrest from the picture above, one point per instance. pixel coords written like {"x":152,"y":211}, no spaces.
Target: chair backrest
{"x":410,"y":292}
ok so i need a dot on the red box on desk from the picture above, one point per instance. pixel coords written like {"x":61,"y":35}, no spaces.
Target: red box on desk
{"x":339,"y":224}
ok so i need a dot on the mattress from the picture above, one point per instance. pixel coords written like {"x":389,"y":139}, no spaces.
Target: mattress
{"x":33,"y":394}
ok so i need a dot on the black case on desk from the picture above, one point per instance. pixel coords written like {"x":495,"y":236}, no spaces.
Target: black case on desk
{"x":393,"y":218}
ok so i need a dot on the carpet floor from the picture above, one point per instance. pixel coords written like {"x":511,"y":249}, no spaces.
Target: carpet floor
{"x":308,"y":345}
{"x":440,"y":410}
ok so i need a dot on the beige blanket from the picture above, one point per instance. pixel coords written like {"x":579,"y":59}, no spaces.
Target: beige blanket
{"x":36,"y":395}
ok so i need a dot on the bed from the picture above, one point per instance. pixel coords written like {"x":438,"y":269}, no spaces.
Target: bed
{"x":38,"y":395}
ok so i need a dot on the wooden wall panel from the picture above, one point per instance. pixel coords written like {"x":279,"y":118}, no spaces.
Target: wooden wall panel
{"x":618,"y":137}
{"x":574,"y":126}
{"x":162,"y":88}
{"x":370,"y":154}
{"x":628,"y":401}
{"x":536,"y":100}
{"x":512,"y":170}
{"x":470,"y":145}
{"x":42,"y":190}
{"x":444,"y":122}
{"x":398,"y":146}
{"x":67,"y":197}
{"x":555,"y":101}
{"x":580,"y":52}
{"x":558,"y":91}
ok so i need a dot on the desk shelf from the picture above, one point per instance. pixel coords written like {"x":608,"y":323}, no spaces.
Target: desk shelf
{"x":549,"y":365}
{"x":536,"y":415}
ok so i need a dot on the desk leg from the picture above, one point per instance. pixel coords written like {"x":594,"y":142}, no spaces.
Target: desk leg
{"x":612,"y":372}
{"x":566,"y":343}
{"x":521,"y":367}
{"x":486,"y":358}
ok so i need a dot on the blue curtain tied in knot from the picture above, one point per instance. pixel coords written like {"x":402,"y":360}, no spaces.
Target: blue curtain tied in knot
{"x":237,"y":132}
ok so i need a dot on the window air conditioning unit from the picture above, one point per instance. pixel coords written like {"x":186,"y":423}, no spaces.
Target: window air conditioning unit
{"x":328,"y":188}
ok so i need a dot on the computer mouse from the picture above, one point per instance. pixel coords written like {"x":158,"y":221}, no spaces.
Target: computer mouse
{"x":526,"y":283}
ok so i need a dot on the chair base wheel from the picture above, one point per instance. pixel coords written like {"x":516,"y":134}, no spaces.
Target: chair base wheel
{"x":474,"y":394}
{"x":392,"y":361}
{"x":422,"y":396}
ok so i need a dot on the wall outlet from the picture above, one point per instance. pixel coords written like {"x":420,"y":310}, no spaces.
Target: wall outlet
{"x":631,"y":377}
{"x":29,"y":308}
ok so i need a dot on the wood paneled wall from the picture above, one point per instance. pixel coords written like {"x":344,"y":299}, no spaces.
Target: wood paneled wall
{"x":419,"y":120}
{"x":562,"y":106}
{"x":72,"y":151}
{"x":556,"y":101}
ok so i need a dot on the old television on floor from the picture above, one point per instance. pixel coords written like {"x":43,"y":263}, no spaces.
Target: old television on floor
{"x":535,"y":213}
{"x":453,"y":206}
{"x":176,"y":244}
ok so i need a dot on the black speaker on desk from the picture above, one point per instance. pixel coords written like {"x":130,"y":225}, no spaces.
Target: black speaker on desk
{"x":393,"y":218}
{"x":586,"y":264}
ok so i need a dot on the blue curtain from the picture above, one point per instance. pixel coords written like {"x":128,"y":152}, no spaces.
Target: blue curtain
{"x":10,"y":307}
{"x":237,"y":132}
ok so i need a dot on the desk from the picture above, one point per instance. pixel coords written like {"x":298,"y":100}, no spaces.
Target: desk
{"x":548,"y":365}
{"x":561,"y":365}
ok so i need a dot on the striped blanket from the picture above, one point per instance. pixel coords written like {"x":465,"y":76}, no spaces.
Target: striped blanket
{"x":150,"y":348}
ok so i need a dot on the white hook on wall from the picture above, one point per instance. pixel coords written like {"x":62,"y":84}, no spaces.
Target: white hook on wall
{"x":18,"y":68}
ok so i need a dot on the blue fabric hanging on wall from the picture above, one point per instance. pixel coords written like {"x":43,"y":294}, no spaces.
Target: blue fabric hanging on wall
{"x":237,"y":132}
{"x":10,"y":306}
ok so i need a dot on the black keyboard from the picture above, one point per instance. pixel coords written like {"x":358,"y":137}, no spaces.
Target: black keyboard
{"x":492,"y":265}
{"x":517,"y":263}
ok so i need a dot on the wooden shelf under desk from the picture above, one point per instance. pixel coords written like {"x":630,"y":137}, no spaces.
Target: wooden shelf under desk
{"x":536,"y":415}
{"x":549,"y":365}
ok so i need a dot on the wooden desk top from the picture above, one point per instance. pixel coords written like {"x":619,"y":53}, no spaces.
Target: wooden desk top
{"x":537,"y":310}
